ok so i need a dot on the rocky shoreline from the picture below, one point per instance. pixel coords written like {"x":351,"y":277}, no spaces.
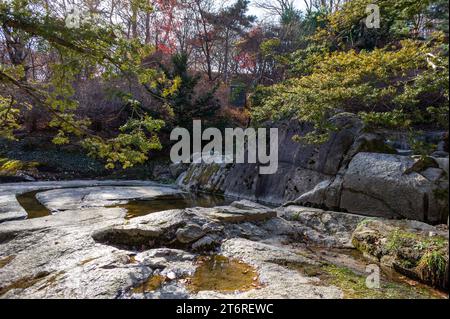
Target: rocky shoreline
{"x":354,"y":172}
{"x":89,"y":249}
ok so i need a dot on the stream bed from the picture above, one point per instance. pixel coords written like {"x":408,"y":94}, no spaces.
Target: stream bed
{"x":134,"y":208}
{"x":220,"y":269}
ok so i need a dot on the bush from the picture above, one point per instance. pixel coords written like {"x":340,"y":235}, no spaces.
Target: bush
{"x":403,"y":85}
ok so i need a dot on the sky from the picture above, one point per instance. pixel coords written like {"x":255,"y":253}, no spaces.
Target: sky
{"x":260,"y":13}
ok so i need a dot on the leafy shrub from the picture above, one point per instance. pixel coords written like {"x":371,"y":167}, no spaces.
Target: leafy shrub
{"x":390,"y":87}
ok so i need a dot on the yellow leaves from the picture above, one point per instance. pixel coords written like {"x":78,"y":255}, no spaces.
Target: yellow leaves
{"x":16,"y":72}
{"x":146,"y":76}
{"x":366,"y":83}
{"x":176,"y":83}
{"x":268,"y":47}
{"x":145,"y":50}
{"x":9,"y":116}
{"x":60,"y":139}
{"x":130,"y":147}
{"x":394,"y":119}
{"x":141,"y":5}
{"x":11,"y":166}
{"x":350,"y":15}
{"x":69,"y":124}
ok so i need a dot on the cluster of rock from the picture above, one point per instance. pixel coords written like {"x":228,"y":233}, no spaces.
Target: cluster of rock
{"x":415,"y":249}
{"x":354,"y":172}
{"x":87,"y":249}
{"x":91,"y":251}
{"x":76,"y":194}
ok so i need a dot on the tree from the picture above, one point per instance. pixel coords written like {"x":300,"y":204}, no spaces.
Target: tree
{"x":328,"y":6}
{"x":189,"y":101}
{"x":96,"y":46}
{"x":386,"y":88}
{"x":346,"y":28}
{"x":230,"y":23}
{"x":277,"y":8}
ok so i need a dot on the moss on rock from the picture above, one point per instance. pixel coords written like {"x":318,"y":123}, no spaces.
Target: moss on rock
{"x":415,"y":253}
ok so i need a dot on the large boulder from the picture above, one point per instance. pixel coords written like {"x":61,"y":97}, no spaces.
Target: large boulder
{"x":355,"y":172}
{"x":301,"y":166}
{"x":385,"y":185}
{"x":322,"y":228}
{"x":395,"y":187}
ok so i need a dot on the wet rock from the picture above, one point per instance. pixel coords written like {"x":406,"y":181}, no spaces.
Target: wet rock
{"x":74,"y":198}
{"x":189,"y":233}
{"x":322,"y":228}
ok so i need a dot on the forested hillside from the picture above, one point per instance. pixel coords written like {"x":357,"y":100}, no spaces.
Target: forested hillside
{"x":224,"y":149}
{"x":115,"y":77}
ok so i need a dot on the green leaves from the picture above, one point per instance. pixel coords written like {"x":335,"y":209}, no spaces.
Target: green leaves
{"x":394,"y":120}
{"x":9,"y":116}
{"x":94,"y":50}
{"x":130,"y":147}
{"x":386,"y":88}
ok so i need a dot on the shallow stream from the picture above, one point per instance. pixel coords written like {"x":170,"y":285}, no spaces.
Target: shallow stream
{"x":342,"y":268}
{"x":135,"y":208}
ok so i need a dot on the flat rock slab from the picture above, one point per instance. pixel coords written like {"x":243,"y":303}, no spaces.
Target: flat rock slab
{"x":72,"y":254}
{"x":184,"y":227}
{"x":20,"y":188}
{"x":66,"y":195}
{"x":320,"y":227}
{"x":241,"y":211}
{"x":100,"y":196}
{"x":10,"y":209}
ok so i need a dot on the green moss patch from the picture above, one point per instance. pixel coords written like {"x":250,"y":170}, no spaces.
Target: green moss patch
{"x":415,"y":254}
{"x":353,"y":285}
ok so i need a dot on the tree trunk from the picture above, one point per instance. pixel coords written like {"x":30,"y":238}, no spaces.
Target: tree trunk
{"x":225,"y":71}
